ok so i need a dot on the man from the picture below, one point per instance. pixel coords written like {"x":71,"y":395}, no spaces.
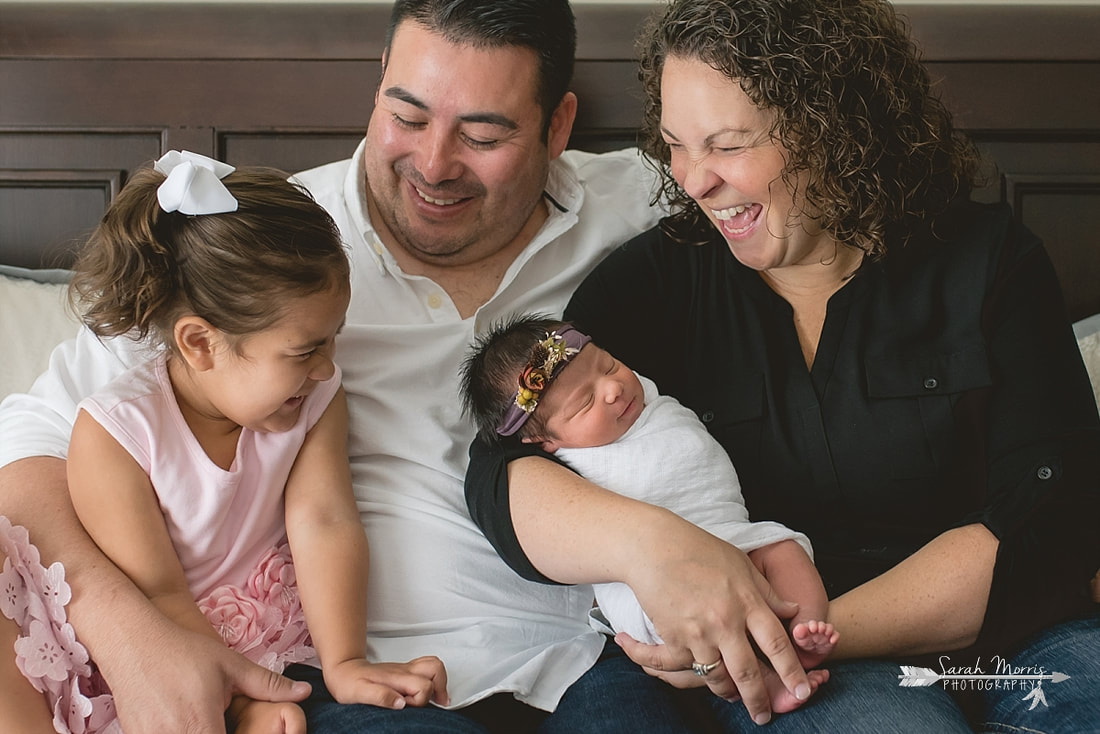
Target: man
{"x":459,"y":208}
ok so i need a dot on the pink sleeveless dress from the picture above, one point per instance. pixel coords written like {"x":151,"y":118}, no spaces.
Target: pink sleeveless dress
{"x":227,"y":528}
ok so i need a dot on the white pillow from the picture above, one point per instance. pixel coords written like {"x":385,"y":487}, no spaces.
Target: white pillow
{"x":34,"y":318}
{"x":1090,"y":352}
{"x":1087,"y":326}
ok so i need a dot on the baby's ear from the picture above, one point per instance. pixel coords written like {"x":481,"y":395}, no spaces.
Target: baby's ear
{"x":546,"y":444}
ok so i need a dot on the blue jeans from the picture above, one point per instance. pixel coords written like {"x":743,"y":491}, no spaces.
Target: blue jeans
{"x":1071,"y":706}
{"x":862,"y":697}
{"x":615,"y":696}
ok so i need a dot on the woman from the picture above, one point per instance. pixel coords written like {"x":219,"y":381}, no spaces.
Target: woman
{"x":888,"y":364}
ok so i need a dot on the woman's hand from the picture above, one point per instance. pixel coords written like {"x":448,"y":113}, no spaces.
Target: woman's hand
{"x":389,"y":685}
{"x":710,"y":604}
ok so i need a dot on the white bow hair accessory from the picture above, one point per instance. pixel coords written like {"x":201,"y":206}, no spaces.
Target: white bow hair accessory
{"x":194,"y":184}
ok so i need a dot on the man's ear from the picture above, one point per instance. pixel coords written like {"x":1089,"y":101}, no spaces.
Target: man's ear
{"x":381,"y":75}
{"x":561,"y":125}
{"x":197,"y":341}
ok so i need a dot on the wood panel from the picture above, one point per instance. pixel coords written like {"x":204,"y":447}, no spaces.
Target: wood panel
{"x":92,"y":90}
{"x":67,"y":201}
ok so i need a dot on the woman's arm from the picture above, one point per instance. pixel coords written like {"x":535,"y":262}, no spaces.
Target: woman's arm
{"x":1023,"y":560}
{"x":932,"y":601}
{"x":704,"y":596}
{"x":331,"y":562}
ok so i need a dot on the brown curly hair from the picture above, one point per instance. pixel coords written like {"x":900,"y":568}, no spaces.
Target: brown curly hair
{"x":853,"y":103}
{"x":143,"y":268}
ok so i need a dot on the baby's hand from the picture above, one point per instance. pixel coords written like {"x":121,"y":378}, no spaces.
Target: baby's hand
{"x":389,"y":685}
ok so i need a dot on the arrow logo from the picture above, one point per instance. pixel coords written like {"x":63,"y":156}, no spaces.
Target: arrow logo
{"x":1036,"y":697}
{"x":916,"y":677}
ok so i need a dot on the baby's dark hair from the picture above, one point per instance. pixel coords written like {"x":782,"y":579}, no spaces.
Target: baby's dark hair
{"x":491,"y":372}
{"x":143,"y":268}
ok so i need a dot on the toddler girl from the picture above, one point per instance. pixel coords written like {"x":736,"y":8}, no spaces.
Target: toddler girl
{"x":201,"y":472}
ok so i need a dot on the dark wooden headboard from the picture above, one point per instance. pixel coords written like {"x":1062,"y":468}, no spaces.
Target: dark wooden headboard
{"x":90,"y":91}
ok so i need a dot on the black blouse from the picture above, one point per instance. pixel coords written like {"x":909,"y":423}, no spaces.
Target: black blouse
{"x":947,"y":389}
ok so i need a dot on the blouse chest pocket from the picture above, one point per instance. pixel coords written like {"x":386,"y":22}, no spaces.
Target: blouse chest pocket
{"x":912,"y":398}
{"x":930,"y":373}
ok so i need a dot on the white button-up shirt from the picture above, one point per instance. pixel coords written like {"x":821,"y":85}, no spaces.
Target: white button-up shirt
{"x":436,"y":586}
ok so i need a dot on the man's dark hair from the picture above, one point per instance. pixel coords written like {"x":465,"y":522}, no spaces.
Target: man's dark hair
{"x":490,"y":373}
{"x":546,"y":27}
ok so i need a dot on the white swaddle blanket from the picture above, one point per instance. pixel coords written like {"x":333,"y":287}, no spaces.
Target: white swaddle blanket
{"x":667,"y":458}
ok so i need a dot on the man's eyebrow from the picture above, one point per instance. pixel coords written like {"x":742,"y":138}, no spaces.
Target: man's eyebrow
{"x":490,"y":118}
{"x":403,"y":95}
{"x":486,"y":118}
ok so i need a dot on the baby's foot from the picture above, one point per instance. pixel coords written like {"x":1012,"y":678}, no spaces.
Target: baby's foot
{"x":783,"y":700}
{"x":813,"y":641}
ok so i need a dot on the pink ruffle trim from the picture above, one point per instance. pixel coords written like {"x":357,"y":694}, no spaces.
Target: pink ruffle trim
{"x":48,"y":652}
{"x":263,"y":621}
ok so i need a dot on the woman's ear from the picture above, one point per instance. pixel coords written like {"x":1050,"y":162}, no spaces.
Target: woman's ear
{"x":197,"y":342}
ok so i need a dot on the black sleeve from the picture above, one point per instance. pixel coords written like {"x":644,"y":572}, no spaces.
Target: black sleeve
{"x":1043,"y":500}
{"x":487,"y":499}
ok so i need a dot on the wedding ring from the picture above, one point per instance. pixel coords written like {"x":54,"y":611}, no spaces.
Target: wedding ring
{"x":701,"y":669}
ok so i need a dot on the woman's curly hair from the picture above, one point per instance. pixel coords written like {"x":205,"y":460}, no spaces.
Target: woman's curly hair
{"x":853,"y":103}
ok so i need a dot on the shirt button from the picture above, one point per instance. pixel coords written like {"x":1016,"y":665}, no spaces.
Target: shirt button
{"x":707,"y":416}
{"x":1044,"y":473}
{"x":930,"y":383}
{"x":435,"y":301}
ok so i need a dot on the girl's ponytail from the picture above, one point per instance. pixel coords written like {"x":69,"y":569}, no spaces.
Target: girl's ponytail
{"x":238,"y":268}
{"x":127,"y":279}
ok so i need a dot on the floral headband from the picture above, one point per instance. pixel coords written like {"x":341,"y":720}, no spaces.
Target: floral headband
{"x":193,"y":184}
{"x":547,"y":359}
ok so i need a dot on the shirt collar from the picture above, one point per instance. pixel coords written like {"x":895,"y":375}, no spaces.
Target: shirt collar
{"x":563,"y":196}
